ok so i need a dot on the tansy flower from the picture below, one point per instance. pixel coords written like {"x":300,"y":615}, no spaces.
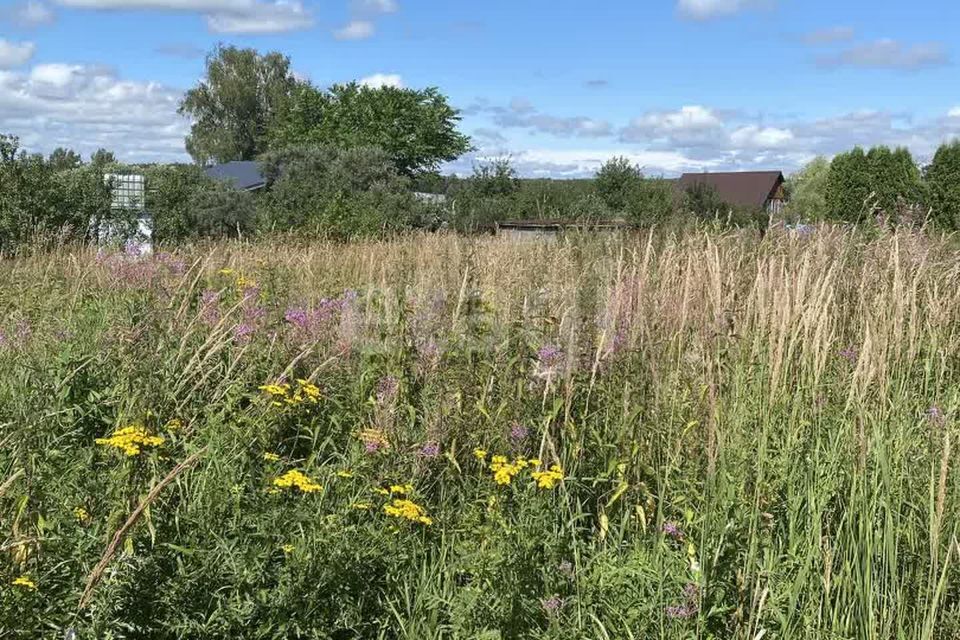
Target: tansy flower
{"x":81,"y":514}
{"x":287,"y":549}
{"x":173,"y":425}
{"x":548,"y":479}
{"x":408,"y":510}
{"x":362,"y":505}
{"x":480,"y":454}
{"x":26,"y":583}
{"x":131,"y":440}
{"x":271,"y":457}
{"x":294,"y":479}
{"x":401,"y":489}
{"x":344,"y":474}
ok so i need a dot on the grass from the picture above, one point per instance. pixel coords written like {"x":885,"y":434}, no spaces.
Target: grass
{"x":756,"y":439}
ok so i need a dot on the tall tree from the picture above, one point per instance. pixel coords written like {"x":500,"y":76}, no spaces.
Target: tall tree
{"x":848,"y":186}
{"x":101,"y":158}
{"x":233,"y":106}
{"x":807,"y":189}
{"x":417,"y":128}
{"x":615,"y":180}
{"x":62,"y":159}
{"x":943,"y":183}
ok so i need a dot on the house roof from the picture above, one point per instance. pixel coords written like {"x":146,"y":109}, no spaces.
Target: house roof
{"x":742,"y":189}
{"x":242,"y":174}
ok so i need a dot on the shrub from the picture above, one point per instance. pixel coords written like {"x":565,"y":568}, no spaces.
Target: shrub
{"x":881,"y":180}
{"x":807,"y":189}
{"x":616,"y":181}
{"x":651,"y":201}
{"x":943,"y":186}
{"x":173,"y":192}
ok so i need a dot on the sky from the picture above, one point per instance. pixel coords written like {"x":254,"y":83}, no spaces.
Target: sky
{"x":557,"y":86}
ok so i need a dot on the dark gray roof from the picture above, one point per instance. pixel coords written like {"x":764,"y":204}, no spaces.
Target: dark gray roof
{"x":740,"y":188}
{"x":242,"y":174}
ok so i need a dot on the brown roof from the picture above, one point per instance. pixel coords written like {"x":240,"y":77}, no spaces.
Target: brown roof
{"x":742,"y":189}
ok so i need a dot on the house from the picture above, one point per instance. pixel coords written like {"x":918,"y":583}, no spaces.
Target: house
{"x":750,"y":189}
{"x":242,"y":174}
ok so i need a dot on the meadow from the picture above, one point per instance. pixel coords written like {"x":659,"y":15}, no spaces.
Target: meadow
{"x":705,"y":434}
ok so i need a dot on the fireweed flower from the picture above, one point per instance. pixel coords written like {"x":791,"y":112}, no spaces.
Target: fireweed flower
{"x":552,"y":605}
{"x":430,"y":449}
{"x":131,"y":440}
{"x":387,"y":390}
{"x":294,"y":479}
{"x":936,"y":416}
{"x":408,"y":510}
{"x":672,"y":530}
{"x":518,"y":433}
{"x":850,"y":354}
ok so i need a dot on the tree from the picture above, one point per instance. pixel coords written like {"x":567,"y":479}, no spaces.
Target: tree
{"x":807,"y":189}
{"x":416,"y":128}
{"x":651,"y":201}
{"x":848,"y":186}
{"x":234,"y":105}
{"x":102,"y":158}
{"x":943,"y":184}
{"x":615,"y":180}
{"x":702,"y":200}
{"x":894,"y":179}
{"x":62,"y":159}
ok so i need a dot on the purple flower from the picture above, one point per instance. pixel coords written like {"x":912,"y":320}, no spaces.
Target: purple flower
{"x":552,"y":604}
{"x":387,"y":390}
{"x":209,"y":307}
{"x":430,"y":449}
{"x":518,"y":433}
{"x":936,"y":416}
{"x":371,"y":446}
{"x":681,"y":611}
{"x":672,"y":530}
{"x":850,"y":354}
{"x":243,"y":333}
{"x":549,"y":355}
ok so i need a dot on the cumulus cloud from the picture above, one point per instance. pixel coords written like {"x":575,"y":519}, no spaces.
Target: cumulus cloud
{"x":520,"y":113}
{"x":888,"y":54}
{"x":222,"y":16}
{"x":374,"y":7}
{"x":31,"y":13}
{"x":829,"y":35}
{"x":355,"y":30}
{"x":709,"y":9}
{"x":380,"y":80}
{"x":15,"y":54}
{"x":86,"y":107}
{"x":954,"y":113}
{"x":758,"y":137}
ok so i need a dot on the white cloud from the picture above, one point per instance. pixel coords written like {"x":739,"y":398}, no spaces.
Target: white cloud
{"x":30,"y":13}
{"x":223,"y":16}
{"x":575,"y":163}
{"x":355,"y":30}
{"x":380,"y":80}
{"x":829,"y":35}
{"x":14,"y":54}
{"x":688,"y":118}
{"x":708,"y":9}
{"x":954,"y":113}
{"x":374,"y":7}
{"x":757,"y":137}
{"x":87,"y":107}
{"x":888,"y":54}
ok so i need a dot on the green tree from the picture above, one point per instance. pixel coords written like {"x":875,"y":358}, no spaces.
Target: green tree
{"x":894,"y":179}
{"x":943,"y":186}
{"x":172,"y":200}
{"x":808,"y":191}
{"x":651,"y":201}
{"x":234,"y":105}
{"x":615,"y":180}
{"x":62,"y":159}
{"x":102,"y":158}
{"x":416,"y":128}
{"x":848,"y":190}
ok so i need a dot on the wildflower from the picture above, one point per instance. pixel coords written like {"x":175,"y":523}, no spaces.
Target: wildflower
{"x":276,"y":391}
{"x":681,"y":612}
{"x":296,"y":479}
{"x":480,"y":454}
{"x":26,"y":583}
{"x":548,"y":479}
{"x":310,"y":391}
{"x":81,"y":515}
{"x":344,"y":474}
{"x":672,"y":530}
{"x":549,"y":355}
{"x":387,"y":390}
{"x":131,"y":440}
{"x":552,"y":605}
{"x":381,"y":491}
{"x":401,"y":489}
{"x":243,"y":333}
{"x":271,"y":457}
{"x":373,"y":440}
{"x":243,"y":283}
{"x":503,"y":470}
{"x":430,"y":449}
{"x":535,"y":462}
{"x":287,"y":549}
{"x":173,"y":425}
{"x":363,"y":506}
{"x":936,"y":416}
{"x":518,"y":433}
{"x":402,"y":508}
{"x":850,"y":354}
{"x":566,"y":568}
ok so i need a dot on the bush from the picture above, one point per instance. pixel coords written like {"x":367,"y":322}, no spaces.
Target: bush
{"x":616,"y":180}
{"x":943,"y":186}
{"x":882,"y":180}
{"x":807,"y":190}
{"x":335,"y":192}
{"x":651,"y":201}
{"x":173,"y":194}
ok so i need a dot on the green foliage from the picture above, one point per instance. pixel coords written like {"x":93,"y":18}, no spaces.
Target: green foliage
{"x":488,"y":196}
{"x":943,"y":184}
{"x":807,"y":191}
{"x":848,"y":189}
{"x":235,"y":104}
{"x":652,"y":201}
{"x":336,"y":192}
{"x":63,"y":159}
{"x":617,"y":181}
{"x":102,"y":158}
{"x":702,"y":200}
{"x":416,"y":128}
{"x":174,"y":195}
{"x":894,"y":178}
{"x":861,"y":184}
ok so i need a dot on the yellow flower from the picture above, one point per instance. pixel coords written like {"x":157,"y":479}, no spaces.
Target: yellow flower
{"x":344,"y":474}
{"x":81,"y":514}
{"x":310,"y":390}
{"x":362,"y":505}
{"x":245,"y":283}
{"x":535,"y":462}
{"x":271,"y":457}
{"x":381,"y":491}
{"x":548,"y":479}
{"x":287,"y":549}
{"x":408,"y":510}
{"x":275,"y":390}
{"x":294,"y":479}
{"x":225,"y":272}
{"x":173,"y":425}
{"x":131,"y":440}
{"x":480,"y":454}
{"x":401,"y":489}
{"x":25,"y":582}
{"x":503,"y":470}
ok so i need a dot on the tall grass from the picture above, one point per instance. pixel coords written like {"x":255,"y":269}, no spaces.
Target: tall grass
{"x":757,"y":438}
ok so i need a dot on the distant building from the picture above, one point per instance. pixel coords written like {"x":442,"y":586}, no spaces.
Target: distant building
{"x":753,"y":189}
{"x":241,"y":174}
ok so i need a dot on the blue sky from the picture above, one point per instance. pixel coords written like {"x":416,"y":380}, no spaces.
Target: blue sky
{"x":558,"y":86}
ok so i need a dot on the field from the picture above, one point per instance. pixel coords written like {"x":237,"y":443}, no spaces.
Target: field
{"x":709,"y":435}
